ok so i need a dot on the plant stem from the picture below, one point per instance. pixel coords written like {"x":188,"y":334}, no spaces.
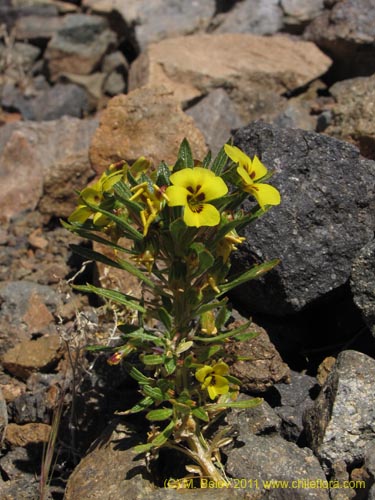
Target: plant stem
{"x":204,"y":458}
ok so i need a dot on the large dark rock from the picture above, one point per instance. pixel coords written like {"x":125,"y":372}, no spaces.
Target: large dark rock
{"x":326,"y":216}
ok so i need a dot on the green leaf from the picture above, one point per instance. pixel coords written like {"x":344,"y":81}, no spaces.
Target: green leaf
{"x":91,"y":235}
{"x":160,"y":414}
{"x":246,"y":336}
{"x":163,"y":174}
{"x":201,"y":414}
{"x":141,"y":405}
{"x":245,"y":403}
{"x":165,"y":317}
{"x":142,"y":448}
{"x":207,"y":160}
{"x":183,"y":346}
{"x":170,"y":365}
{"x":233,"y":380}
{"x":251,"y":274}
{"x":114,"y":295}
{"x":89,"y":254}
{"x":219,"y":162}
{"x":225,"y":335}
{"x":152,"y":359}
{"x":185,"y":154}
{"x":137,"y":375}
{"x":128,"y":266}
{"x":98,"y":348}
{"x":154,"y":392}
{"x":211,"y":305}
{"x":121,"y":223}
{"x":123,"y":194}
{"x":207,"y":352}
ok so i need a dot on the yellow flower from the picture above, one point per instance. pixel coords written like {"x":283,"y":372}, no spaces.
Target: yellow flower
{"x":228,"y":244}
{"x":152,"y":199}
{"x":213,"y":379}
{"x":192,"y":188}
{"x":250,"y":172}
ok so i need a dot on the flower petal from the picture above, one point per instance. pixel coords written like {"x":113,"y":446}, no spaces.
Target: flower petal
{"x":258,"y":168}
{"x":202,"y":373}
{"x":238,"y":156}
{"x":177,"y":195}
{"x":221,"y":368}
{"x":244,"y":175}
{"x":264,"y":194}
{"x":219,"y":386}
{"x":208,"y":215}
{"x":80,"y":214}
{"x":213,"y":187}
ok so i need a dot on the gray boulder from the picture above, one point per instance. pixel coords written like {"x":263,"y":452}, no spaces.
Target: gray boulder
{"x":324,"y":219}
{"x":341,"y":423}
{"x":346,"y":33}
{"x":261,"y":17}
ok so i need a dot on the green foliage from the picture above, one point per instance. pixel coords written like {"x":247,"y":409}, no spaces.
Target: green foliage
{"x":183,"y":222}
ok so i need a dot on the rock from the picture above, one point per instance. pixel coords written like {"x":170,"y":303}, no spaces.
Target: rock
{"x":24,"y":488}
{"x":264,"y":460}
{"x":90,"y":480}
{"x":324,"y":219}
{"x":216,"y":117}
{"x":17,"y":60}
{"x":47,"y":175}
{"x":37,"y":28}
{"x":33,"y":355}
{"x":11,"y":387}
{"x":295,"y":398}
{"x":261,"y":17}
{"x":126,"y":475}
{"x":146,"y":122}
{"x":263,"y":366}
{"x":258,"y":420}
{"x":49,"y":104}
{"x":26,"y":308}
{"x":92,"y":84}
{"x":340,"y":424}
{"x":297,"y":114}
{"x":159,"y":19}
{"x":362,"y":283}
{"x":3,"y":418}
{"x":262,"y":71}
{"x":324,"y":369}
{"x":23,"y":435}
{"x":79,"y":46}
{"x":114,"y":84}
{"x":300,"y":12}
{"x":346,"y":33}
{"x":352,"y":114}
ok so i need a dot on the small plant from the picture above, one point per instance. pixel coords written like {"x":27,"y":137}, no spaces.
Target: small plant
{"x":183,"y":222}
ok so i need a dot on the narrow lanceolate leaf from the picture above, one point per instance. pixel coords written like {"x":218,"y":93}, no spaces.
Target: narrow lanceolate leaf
{"x":223,"y":336}
{"x":114,"y":295}
{"x":160,"y":414}
{"x":246,"y":403}
{"x":160,"y":439}
{"x":123,"y":194}
{"x":127,"y":266}
{"x":152,"y":359}
{"x":93,"y":236}
{"x":207,"y":160}
{"x":185,"y":154}
{"x":163,"y":174}
{"x":219,"y":162}
{"x":128,"y":229}
{"x":89,"y":254}
{"x":201,"y":414}
{"x":154,"y":392}
{"x":251,"y":274}
{"x":138,"y":376}
{"x":140,"y":406}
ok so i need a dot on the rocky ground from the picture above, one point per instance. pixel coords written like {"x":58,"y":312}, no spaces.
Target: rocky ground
{"x":84,"y":83}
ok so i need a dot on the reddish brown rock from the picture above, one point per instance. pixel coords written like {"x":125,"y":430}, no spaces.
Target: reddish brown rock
{"x":262,"y":366}
{"x":146,"y":122}
{"x":46,"y":175}
{"x":37,"y":317}
{"x":32,"y":355}
{"x":23,"y":435}
{"x":263,"y":68}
